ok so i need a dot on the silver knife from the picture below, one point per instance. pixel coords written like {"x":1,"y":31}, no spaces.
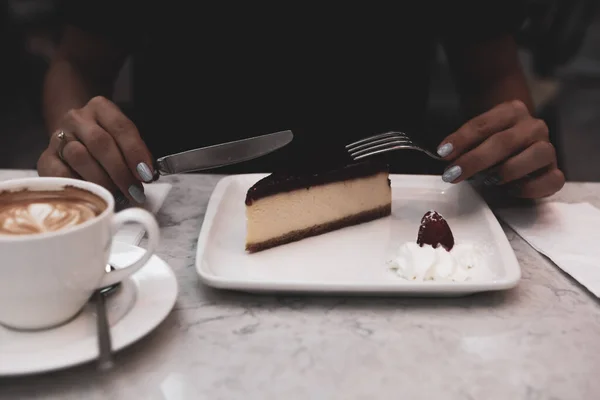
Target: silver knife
{"x":223,"y":154}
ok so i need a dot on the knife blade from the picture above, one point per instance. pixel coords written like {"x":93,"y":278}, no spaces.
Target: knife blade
{"x":223,"y":154}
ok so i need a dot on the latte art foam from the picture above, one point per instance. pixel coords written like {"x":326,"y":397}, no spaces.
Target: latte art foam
{"x":29,"y":212}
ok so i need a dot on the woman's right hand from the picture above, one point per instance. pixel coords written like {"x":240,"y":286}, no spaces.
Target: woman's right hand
{"x":101,"y":145}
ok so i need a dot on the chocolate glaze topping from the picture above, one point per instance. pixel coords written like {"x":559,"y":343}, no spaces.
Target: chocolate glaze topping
{"x":305,"y":176}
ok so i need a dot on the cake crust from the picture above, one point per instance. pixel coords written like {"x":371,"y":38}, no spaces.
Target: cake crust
{"x":295,"y":236}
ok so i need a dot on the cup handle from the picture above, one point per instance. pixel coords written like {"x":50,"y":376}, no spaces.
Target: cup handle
{"x":145,"y":219}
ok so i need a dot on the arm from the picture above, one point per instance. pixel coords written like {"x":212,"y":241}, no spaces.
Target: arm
{"x":101,"y":144}
{"x":85,"y":66}
{"x":502,"y":140}
{"x":487,"y":73}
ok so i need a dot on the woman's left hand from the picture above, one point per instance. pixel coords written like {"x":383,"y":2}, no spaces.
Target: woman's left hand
{"x":511,"y":146}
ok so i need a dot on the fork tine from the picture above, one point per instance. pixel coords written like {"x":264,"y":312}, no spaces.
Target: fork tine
{"x":378,"y":141}
{"x":384,"y":142}
{"x":374,"y":137}
{"x":386,"y":145}
{"x":384,"y":150}
{"x":401,"y":134}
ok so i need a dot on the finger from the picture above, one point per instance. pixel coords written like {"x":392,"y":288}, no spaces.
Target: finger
{"x":123,"y":130}
{"x":50,"y":165}
{"x":543,"y":185}
{"x":536,"y":157}
{"x":104,"y":150}
{"x":81,"y":161}
{"x":496,"y":149}
{"x":76,"y":157}
{"x":478,"y":129}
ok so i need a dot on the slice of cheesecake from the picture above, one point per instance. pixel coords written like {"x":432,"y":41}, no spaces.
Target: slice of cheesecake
{"x":287,"y":207}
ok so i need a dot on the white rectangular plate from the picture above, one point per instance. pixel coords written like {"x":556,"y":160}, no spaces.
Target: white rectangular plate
{"x":353,"y":259}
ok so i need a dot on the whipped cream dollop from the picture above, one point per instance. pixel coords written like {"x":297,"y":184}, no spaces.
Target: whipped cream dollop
{"x":465,"y":262}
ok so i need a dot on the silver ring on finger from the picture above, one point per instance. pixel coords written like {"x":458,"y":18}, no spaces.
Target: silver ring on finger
{"x":62,"y":142}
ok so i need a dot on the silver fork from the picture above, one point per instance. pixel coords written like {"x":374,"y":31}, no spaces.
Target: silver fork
{"x":383,"y":143}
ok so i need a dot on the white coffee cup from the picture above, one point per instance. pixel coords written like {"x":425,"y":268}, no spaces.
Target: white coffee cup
{"x":47,"y":278}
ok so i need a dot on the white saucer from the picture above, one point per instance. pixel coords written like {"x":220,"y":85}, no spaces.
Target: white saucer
{"x":142,"y":302}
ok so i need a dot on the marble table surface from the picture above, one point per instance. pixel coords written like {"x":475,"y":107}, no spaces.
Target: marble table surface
{"x":540,"y":340}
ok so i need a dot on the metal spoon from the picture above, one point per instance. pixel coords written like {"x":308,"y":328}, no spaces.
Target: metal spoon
{"x":105,"y":361}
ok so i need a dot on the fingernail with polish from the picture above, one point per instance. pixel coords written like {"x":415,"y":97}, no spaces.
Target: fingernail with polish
{"x":145,"y":172}
{"x":451,"y":174}
{"x":137,"y":194}
{"x":444,"y":150}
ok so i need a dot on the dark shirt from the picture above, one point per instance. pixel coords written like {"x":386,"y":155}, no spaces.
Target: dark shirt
{"x":206,"y":73}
